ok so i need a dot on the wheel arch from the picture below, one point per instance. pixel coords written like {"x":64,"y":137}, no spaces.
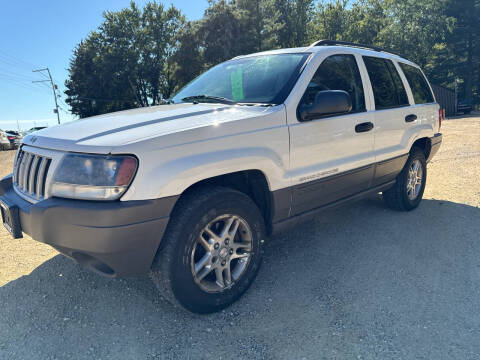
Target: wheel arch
{"x":423,"y":143}
{"x":253,"y":183}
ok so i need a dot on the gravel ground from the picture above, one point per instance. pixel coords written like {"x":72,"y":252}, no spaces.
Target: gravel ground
{"x":359,"y":282}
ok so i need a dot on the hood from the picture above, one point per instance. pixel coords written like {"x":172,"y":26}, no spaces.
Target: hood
{"x":101,"y":134}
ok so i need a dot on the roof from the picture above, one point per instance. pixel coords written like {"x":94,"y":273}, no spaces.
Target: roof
{"x":329,"y":45}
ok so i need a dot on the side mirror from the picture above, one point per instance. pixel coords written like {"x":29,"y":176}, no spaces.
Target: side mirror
{"x":328,"y":102}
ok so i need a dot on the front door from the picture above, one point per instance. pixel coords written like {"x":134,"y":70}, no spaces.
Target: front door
{"x":332,"y":157}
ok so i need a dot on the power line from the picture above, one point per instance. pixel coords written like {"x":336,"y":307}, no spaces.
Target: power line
{"x":64,"y":103}
{"x":15,"y":60}
{"x":29,"y":87}
{"x":27,"y":83}
{"x":65,"y":111}
{"x":13,"y":76}
{"x":12,"y":63}
{"x":16,"y":75}
{"x":43,"y":85}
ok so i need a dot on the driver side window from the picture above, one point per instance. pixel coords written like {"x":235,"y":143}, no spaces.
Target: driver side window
{"x":337,"y":72}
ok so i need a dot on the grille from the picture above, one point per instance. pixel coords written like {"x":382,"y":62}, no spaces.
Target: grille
{"x":30,"y":174}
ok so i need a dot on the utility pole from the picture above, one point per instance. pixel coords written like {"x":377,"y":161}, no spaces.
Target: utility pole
{"x":54,"y":89}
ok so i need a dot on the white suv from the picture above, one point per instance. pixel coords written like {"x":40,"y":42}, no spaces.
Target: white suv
{"x":188,"y":192}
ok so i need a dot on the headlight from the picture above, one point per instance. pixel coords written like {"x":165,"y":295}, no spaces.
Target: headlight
{"x":93,"y":177}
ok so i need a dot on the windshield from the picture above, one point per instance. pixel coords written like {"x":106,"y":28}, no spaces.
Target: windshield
{"x":264,"y":79}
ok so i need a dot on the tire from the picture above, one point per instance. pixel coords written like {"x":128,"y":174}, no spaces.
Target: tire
{"x":179,"y":269}
{"x":403,"y":196}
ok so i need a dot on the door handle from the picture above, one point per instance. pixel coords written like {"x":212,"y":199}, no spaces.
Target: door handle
{"x":410,"y":118}
{"x":363,"y":127}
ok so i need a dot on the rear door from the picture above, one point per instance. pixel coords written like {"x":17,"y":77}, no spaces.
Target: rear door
{"x":393,"y":117}
{"x":329,"y":160}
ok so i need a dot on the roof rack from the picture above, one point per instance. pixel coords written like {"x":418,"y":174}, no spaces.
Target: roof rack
{"x":346,"y":43}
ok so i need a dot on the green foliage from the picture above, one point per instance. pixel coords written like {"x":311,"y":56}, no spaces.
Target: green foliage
{"x":462,"y":47}
{"x":126,"y":62}
{"x":140,"y":57}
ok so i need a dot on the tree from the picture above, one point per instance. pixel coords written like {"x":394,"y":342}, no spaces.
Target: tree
{"x":220,"y":31}
{"x":140,"y":57}
{"x":464,"y":45}
{"x":93,"y":87}
{"x":331,"y":20}
{"x":252,"y":22}
{"x":414,"y":29}
{"x":288,"y":21}
{"x":360,"y":22}
{"x":156,"y":46}
{"x":366,"y":19}
{"x":125,"y":62}
{"x":187,"y":62}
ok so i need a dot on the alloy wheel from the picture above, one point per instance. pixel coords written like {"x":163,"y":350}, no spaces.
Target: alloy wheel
{"x":415,"y":179}
{"x":221,"y":253}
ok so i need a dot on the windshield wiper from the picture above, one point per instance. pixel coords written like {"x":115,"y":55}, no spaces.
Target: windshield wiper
{"x":208,"y":98}
{"x":257,"y":104}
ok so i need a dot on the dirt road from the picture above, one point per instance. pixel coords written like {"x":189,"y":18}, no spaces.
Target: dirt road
{"x":359,"y":282}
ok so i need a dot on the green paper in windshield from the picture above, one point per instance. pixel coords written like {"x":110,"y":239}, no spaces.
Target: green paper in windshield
{"x":236,"y":82}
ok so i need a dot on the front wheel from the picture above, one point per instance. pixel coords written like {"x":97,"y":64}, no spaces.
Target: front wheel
{"x":408,"y":190}
{"x":212,"y":250}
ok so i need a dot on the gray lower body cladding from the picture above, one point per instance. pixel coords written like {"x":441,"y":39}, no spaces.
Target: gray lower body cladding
{"x":112,"y":238}
{"x":435,"y":143}
{"x":302,"y":202}
{"x":323,"y":193}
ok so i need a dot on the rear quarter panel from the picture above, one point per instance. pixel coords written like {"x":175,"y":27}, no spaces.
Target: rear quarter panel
{"x":426,"y":124}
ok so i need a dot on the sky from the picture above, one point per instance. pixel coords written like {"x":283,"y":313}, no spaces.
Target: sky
{"x":36,"y":34}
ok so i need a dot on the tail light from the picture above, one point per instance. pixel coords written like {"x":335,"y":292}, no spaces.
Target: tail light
{"x":11,"y":137}
{"x":440,"y":117}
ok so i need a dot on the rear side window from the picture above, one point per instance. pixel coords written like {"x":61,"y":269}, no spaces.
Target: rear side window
{"x":338,"y":72}
{"x":387,"y":86}
{"x":420,"y":89}
{"x":400,"y":89}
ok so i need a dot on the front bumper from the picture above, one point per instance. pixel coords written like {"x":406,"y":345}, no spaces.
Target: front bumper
{"x":117,"y":238}
{"x":435,"y":142}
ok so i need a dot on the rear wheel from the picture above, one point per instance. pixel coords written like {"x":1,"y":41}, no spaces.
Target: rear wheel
{"x":408,"y":190}
{"x":212,"y":250}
